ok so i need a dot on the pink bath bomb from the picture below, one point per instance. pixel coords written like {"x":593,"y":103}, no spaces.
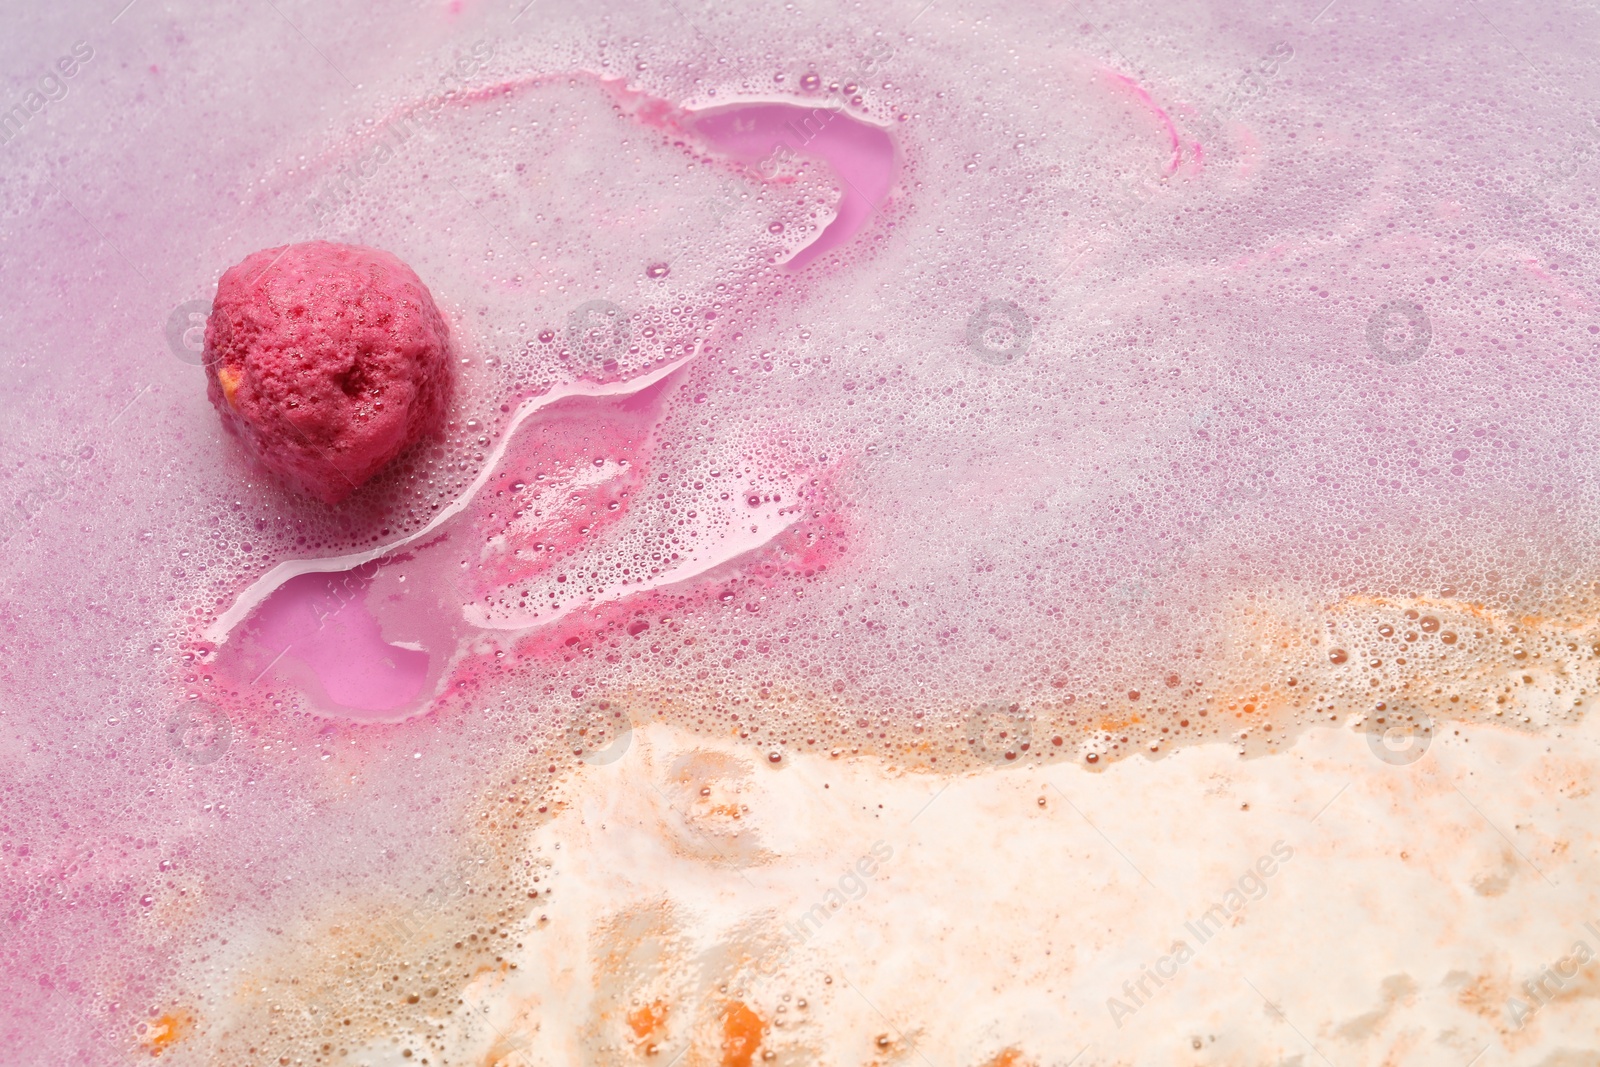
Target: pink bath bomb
{"x":326,"y":361}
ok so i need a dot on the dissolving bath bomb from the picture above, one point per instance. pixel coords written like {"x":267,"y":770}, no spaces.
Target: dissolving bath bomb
{"x":327,"y":361}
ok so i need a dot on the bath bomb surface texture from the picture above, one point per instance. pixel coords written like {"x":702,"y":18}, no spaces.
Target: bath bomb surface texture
{"x":327,"y":361}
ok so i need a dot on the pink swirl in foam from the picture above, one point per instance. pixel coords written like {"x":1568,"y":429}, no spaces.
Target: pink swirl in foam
{"x":378,"y":635}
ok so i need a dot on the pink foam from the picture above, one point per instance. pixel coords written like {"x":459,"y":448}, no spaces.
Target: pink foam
{"x":859,"y":153}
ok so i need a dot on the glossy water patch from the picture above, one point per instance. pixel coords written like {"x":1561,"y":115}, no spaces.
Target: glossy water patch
{"x":770,"y":137}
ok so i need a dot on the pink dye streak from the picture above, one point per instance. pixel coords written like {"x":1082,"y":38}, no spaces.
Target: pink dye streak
{"x":375,"y":643}
{"x":1140,"y":94}
{"x":860,"y":154}
{"x":366,"y":648}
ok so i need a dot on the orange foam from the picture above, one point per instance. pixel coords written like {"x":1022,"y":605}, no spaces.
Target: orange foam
{"x":167,"y":1030}
{"x":742,"y":1030}
{"x":1009,"y":1057}
{"x":647,"y":1020}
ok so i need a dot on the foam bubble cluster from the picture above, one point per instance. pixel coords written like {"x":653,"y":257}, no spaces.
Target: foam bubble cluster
{"x":967,"y":389}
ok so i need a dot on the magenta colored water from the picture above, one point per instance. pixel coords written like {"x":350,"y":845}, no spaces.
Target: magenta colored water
{"x":322,"y":622}
{"x":860,"y":155}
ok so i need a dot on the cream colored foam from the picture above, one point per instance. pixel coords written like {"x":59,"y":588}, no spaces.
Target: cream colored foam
{"x":1005,"y":909}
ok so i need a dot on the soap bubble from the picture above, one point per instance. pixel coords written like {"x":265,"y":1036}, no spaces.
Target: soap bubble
{"x":597,"y":332}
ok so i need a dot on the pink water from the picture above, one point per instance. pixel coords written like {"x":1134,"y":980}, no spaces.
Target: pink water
{"x":1010,"y":377}
{"x":860,"y":155}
